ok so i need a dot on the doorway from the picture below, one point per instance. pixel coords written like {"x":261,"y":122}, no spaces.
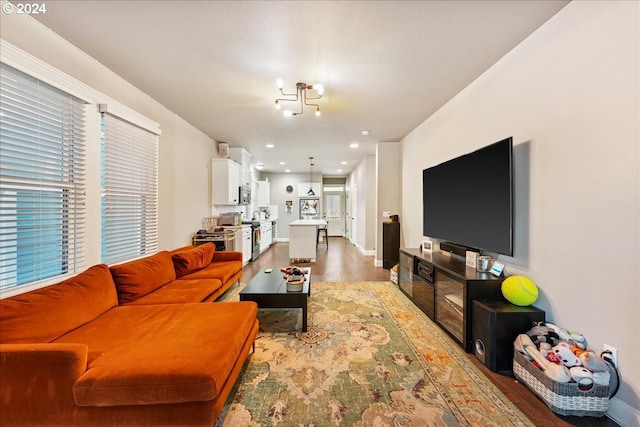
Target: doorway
{"x":334,"y":212}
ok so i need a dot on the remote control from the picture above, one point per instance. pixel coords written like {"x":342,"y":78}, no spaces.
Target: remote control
{"x":268,"y":270}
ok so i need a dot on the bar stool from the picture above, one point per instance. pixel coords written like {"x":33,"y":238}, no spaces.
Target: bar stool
{"x":322,"y":230}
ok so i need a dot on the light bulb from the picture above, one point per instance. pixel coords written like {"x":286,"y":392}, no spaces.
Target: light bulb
{"x":318,"y":111}
{"x":277,"y":104}
{"x":288,"y":113}
{"x":319,"y":87}
{"x":280,"y":83}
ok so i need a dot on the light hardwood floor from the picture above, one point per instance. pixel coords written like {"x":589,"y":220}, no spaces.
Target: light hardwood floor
{"x":343,"y":262}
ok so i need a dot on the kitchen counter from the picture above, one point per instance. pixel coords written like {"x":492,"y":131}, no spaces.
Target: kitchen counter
{"x":313,"y":222}
{"x":302,"y":238}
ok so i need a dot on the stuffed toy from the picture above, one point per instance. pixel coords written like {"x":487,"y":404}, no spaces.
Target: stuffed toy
{"x":575,"y":337}
{"x":577,"y":350}
{"x":559,"y":373}
{"x":562,"y":353}
{"x":540,"y":333}
{"x":544,"y":348}
{"x":603,"y":378}
{"x":592,"y":362}
{"x":582,"y":376}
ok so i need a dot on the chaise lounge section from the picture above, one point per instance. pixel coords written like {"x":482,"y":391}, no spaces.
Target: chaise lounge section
{"x":72,"y":354}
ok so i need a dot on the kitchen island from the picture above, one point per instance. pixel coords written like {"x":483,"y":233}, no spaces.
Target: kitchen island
{"x":302,"y":239}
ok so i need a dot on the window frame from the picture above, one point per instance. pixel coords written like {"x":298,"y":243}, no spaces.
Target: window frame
{"x":35,"y":67}
{"x":42,"y":214}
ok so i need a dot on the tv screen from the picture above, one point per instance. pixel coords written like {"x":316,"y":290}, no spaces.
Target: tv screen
{"x":468,"y":200}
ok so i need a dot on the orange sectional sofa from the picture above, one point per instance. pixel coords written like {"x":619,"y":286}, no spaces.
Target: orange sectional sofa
{"x":187,"y":274}
{"x":131,"y":344}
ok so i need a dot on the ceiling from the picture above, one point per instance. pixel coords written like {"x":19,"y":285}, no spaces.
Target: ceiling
{"x":386,"y":66}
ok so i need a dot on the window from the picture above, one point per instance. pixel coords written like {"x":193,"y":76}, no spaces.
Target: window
{"x":129,"y":181}
{"x":42,"y":188}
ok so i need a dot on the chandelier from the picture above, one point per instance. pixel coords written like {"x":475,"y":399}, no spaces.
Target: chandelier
{"x":301,"y":96}
{"x":311,"y":192}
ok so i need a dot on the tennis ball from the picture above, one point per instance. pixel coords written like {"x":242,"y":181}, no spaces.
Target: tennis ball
{"x":519,"y":290}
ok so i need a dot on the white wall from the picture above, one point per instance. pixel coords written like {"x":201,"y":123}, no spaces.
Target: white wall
{"x":363,"y":177}
{"x":569,"y":95}
{"x":184,"y":152}
{"x":389,"y":185}
{"x":279,"y":196}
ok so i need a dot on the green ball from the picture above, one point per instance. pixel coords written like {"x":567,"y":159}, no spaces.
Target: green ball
{"x":520,"y":290}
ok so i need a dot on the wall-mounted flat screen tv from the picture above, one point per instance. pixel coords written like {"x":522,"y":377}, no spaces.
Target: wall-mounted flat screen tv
{"x":469,"y":200}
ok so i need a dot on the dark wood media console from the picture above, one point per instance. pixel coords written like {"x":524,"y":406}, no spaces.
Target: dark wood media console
{"x":445,"y":288}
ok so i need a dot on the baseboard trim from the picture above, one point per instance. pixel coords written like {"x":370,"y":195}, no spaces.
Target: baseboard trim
{"x":377,"y":263}
{"x":622,"y":413}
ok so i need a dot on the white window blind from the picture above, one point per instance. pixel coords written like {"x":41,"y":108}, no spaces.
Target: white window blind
{"x":129,"y":174}
{"x":42,"y":185}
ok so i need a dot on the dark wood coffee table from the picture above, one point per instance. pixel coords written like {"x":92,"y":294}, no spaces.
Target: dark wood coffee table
{"x":269,"y":290}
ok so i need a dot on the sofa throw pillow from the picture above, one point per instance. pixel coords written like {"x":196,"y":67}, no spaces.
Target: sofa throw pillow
{"x":42,"y":315}
{"x":140,"y":277}
{"x":194,"y":259}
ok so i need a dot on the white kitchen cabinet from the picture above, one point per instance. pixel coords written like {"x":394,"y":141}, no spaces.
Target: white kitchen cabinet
{"x":263,"y":198}
{"x":243,"y":158}
{"x":273,"y":212}
{"x":246,"y":244}
{"x":225,"y":182}
{"x":265,"y":235}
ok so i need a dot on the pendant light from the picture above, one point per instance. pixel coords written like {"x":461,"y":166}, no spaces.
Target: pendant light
{"x":311,"y":192}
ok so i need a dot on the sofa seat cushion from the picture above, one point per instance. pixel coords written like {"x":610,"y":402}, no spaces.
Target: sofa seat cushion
{"x":153,"y":354}
{"x":47,"y":313}
{"x":180,"y":292}
{"x":221,"y":270}
{"x":193,"y":259}
{"x":135,"y":279}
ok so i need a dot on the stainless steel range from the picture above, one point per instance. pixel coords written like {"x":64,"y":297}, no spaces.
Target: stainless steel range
{"x":255,"y":239}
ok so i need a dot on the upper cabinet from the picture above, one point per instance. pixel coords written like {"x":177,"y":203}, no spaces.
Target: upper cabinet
{"x":243,"y":158}
{"x":263,"y":198}
{"x":225,"y":182}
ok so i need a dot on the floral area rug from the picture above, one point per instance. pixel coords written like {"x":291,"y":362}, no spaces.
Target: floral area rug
{"x":369,"y":358}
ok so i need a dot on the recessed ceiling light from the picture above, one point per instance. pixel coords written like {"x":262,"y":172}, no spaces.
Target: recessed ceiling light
{"x":282,"y":163}
{"x":354,"y":145}
{"x":343,"y":163}
{"x":339,"y":170}
{"x":269,"y":145}
{"x":365,"y":133}
{"x":287,"y":170}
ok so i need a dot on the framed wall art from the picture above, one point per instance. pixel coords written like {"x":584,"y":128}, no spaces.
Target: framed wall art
{"x":310,"y":208}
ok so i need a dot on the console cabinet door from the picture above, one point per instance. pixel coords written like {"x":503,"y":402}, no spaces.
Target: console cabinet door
{"x":405,"y":274}
{"x":450,"y":304}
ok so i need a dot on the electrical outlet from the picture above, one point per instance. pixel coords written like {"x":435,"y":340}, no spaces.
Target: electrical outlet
{"x":614,"y":353}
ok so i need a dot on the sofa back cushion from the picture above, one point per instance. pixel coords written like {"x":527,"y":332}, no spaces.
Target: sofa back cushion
{"x":45,"y":314}
{"x":193,"y":259}
{"x":138,"y":278}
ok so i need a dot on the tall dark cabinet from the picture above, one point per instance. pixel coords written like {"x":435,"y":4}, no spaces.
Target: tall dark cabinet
{"x":390,"y":244}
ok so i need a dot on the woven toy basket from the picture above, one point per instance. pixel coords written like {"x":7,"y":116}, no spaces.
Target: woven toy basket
{"x":561,"y":398}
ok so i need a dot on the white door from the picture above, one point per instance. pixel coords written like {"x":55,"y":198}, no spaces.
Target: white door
{"x":334,"y":213}
{"x":347,"y":221}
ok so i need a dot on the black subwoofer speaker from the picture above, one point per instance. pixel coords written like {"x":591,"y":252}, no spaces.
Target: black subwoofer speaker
{"x":495,"y":325}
